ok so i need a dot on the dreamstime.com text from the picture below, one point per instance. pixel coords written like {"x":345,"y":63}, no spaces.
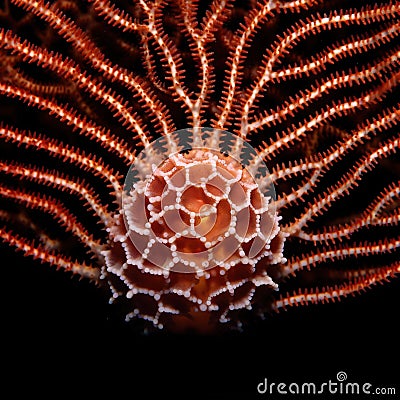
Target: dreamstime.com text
{"x":340,"y":385}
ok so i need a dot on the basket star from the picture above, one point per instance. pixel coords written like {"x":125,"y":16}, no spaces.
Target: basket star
{"x":299,"y":96}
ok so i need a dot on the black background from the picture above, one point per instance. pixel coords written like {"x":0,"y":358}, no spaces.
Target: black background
{"x":60,"y":337}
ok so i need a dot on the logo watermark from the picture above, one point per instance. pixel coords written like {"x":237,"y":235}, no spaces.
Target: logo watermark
{"x":338,"y":386}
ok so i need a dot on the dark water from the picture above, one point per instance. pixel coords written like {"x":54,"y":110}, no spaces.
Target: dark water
{"x":60,"y":335}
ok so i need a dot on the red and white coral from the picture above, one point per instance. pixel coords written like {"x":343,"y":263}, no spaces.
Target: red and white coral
{"x":194,"y":240}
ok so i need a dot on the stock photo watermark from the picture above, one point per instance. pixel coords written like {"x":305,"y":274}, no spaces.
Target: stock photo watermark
{"x":340,"y":385}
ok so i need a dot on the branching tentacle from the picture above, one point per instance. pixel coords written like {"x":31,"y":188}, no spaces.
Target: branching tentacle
{"x":54,"y":259}
{"x":54,"y":207}
{"x":56,"y":179}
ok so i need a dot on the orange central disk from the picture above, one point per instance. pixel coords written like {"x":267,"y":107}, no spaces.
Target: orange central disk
{"x":197,"y":230}
{"x":198,"y":186}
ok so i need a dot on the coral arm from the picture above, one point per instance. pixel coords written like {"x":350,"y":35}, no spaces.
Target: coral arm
{"x":58,"y":211}
{"x":90,"y":52}
{"x":59,"y":181}
{"x":332,"y":293}
{"x":57,"y":149}
{"x":38,"y":252}
{"x":71,"y":117}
